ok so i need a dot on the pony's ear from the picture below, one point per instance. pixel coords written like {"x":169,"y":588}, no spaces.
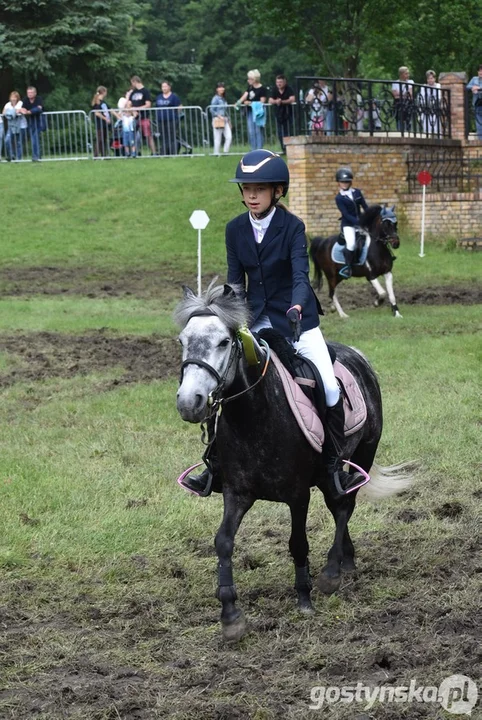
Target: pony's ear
{"x":393,"y":208}
{"x":228,"y":291}
{"x":188,"y":293}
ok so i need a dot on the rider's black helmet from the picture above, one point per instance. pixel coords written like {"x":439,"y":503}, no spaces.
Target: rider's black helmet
{"x":344,"y":174}
{"x":263,"y":166}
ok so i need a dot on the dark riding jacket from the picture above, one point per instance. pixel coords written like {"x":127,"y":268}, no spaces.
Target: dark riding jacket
{"x":275,"y":272}
{"x":351,"y":209}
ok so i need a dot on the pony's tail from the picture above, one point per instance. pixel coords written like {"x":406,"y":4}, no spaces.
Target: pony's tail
{"x":315,"y":245}
{"x":387,"y":481}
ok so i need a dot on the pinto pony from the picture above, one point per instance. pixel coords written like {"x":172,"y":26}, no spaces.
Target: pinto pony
{"x":380,"y":223}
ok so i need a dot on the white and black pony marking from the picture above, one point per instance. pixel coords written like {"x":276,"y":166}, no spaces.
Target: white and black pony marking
{"x":381,"y":224}
{"x":261,"y":452}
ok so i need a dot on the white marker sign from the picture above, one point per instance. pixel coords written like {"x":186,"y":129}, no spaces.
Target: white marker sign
{"x":199,"y":220}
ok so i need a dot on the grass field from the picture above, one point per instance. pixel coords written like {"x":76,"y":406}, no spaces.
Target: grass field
{"x":107,"y":569}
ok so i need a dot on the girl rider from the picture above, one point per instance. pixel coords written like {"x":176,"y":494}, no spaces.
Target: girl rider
{"x":267,"y":255}
{"x":349,"y":202}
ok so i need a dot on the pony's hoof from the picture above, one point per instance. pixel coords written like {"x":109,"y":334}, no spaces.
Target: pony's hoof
{"x":234,"y":631}
{"x":328,"y":584}
{"x":306,"y":608}
{"x":348,"y":566}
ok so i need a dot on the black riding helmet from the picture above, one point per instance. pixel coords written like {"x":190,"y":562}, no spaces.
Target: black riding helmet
{"x":263,"y":166}
{"x":344,"y":174}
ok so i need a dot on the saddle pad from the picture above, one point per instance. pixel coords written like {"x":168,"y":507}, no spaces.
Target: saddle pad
{"x":355,"y":406}
{"x":338,"y":257}
{"x":307,"y":415}
{"x":302,"y":408}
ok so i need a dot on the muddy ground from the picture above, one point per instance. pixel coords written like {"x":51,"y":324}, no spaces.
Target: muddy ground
{"x":178,"y":666}
{"x":166,"y":284}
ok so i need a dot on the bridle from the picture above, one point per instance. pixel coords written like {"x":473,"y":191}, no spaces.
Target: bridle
{"x":215,"y":400}
{"x":387,"y":238}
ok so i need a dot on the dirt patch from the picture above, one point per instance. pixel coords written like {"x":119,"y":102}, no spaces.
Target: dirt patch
{"x":38,"y":356}
{"x":166,"y":281}
{"x":354,"y":295}
{"x":139,"y":653}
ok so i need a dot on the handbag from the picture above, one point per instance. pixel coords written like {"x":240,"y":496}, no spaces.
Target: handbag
{"x":219,"y":121}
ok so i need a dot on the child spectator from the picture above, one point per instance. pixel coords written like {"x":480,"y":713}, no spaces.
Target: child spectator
{"x":128,"y":120}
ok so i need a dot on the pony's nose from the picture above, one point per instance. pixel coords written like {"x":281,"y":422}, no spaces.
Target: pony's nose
{"x":191,"y":408}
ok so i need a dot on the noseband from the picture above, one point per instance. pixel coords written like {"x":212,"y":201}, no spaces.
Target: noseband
{"x":385,"y":237}
{"x":215,"y":399}
{"x":221,"y":380}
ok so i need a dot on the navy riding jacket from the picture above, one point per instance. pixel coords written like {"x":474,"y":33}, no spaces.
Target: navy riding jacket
{"x":275,"y":272}
{"x":350,"y":209}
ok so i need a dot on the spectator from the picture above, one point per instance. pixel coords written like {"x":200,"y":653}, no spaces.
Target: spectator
{"x":256,"y":93}
{"x":2,"y":132}
{"x":283,"y":97}
{"x":402,"y":91}
{"x":33,"y":109}
{"x":140,"y":98}
{"x":168,"y":104}
{"x":320,"y":100}
{"x":475,"y":85}
{"x":221,"y":122}
{"x":429,"y":104}
{"x":102,"y":122}
{"x":13,"y":140}
{"x":128,"y":121}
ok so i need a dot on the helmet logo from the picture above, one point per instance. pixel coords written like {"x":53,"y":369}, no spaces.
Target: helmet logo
{"x":255,"y":168}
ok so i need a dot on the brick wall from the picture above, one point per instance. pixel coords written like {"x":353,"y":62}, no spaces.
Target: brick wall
{"x":378,"y":163}
{"x":457,"y":215}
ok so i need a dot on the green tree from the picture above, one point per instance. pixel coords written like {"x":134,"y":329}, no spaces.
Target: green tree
{"x":67,"y":46}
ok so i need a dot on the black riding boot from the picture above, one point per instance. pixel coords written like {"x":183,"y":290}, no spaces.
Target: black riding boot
{"x":202,"y":484}
{"x":335,"y":438}
{"x":346,"y":269}
{"x":199,"y":484}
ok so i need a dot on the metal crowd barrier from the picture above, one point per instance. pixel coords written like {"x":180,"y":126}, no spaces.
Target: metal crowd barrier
{"x":236,"y":140}
{"x":156,"y":132}
{"x":63,"y":135}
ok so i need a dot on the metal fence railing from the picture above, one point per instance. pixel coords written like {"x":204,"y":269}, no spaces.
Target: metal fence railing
{"x":154,"y":132}
{"x":63,"y":135}
{"x":473,"y":114}
{"x":234,"y":135}
{"x":342,"y":106}
{"x":451,"y":171}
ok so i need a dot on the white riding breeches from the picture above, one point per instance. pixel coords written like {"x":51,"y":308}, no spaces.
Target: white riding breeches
{"x":350,"y":237}
{"x":312,"y":345}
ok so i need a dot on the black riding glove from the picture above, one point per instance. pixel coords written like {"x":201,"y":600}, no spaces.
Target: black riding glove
{"x":294,"y":319}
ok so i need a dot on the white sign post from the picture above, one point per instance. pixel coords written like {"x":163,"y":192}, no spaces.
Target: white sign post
{"x":199,"y":220}
{"x":424,"y":178}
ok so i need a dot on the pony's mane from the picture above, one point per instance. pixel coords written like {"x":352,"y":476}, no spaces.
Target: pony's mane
{"x":369,"y":215}
{"x":229,"y":307}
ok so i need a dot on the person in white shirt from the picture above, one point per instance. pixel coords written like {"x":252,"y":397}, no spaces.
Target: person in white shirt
{"x":16,"y":127}
{"x":428,"y":101}
{"x":402,"y":91}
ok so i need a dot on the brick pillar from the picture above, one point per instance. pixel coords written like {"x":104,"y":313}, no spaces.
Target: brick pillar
{"x":456,"y":82}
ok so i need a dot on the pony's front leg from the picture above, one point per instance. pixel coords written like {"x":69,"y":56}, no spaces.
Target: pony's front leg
{"x":232,"y":618}
{"x":299,"y":549}
{"x":391,"y":295}
{"x":381,"y":294}
{"x":337,"y":305}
